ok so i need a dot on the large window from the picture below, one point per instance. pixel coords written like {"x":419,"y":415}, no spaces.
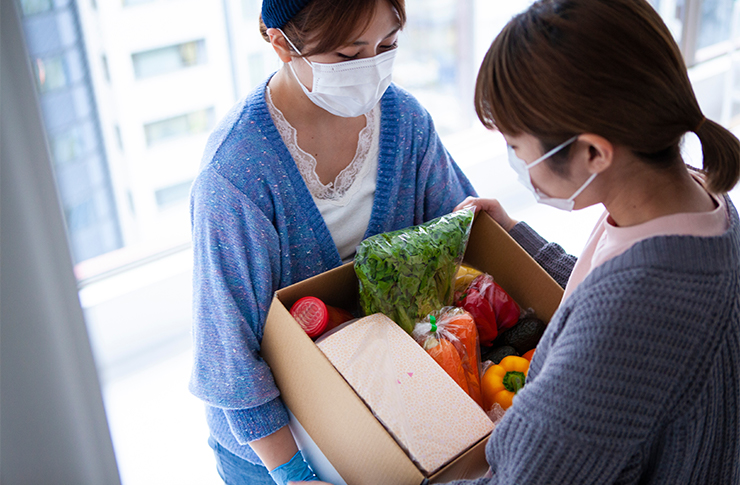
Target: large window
{"x":130,"y":91}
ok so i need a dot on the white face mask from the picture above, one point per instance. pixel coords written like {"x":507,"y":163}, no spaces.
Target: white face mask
{"x":350,"y":88}
{"x":522,"y":169}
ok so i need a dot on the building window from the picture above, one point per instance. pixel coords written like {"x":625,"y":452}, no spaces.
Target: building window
{"x":82,"y":215}
{"x":131,"y":205}
{"x":32,"y":7}
{"x":67,"y":146}
{"x":119,"y":137}
{"x":715,"y":22}
{"x":168,"y":59}
{"x":173,"y":194}
{"x":51,"y":74}
{"x":179,"y":126}
{"x":106,"y":70}
{"x":72,"y":144}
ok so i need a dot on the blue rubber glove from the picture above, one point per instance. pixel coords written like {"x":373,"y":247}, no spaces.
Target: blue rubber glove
{"x":296,"y":470}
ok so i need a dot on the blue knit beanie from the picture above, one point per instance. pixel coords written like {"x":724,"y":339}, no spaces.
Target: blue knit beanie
{"x":277,"y":13}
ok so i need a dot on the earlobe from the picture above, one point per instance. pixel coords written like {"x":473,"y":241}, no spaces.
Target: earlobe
{"x":278,"y":42}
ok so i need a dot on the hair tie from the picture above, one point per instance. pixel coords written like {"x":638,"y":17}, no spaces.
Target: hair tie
{"x":701,"y":123}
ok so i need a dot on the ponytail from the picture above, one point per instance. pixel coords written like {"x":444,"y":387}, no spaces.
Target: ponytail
{"x":721,"y":153}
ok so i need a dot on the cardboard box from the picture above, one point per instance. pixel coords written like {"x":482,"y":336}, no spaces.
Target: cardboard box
{"x":335,"y":418}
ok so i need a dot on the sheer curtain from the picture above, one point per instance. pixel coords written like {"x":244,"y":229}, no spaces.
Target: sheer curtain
{"x":52,"y":421}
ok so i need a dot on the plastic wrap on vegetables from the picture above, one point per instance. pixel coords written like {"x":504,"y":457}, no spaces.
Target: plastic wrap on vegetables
{"x":492,"y":308}
{"x":449,"y":336}
{"x":465,"y":275}
{"x":408,"y":274}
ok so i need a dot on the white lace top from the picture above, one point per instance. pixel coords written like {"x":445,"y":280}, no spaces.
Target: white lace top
{"x":346,"y":203}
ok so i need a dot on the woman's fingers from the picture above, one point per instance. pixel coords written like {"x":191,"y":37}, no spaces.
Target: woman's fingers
{"x":492,"y":207}
{"x":468,"y":202}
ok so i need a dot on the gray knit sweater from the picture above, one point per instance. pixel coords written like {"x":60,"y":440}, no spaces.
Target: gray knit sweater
{"x":637,"y":378}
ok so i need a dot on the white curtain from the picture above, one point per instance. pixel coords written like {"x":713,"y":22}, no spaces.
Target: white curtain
{"x":53,"y":427}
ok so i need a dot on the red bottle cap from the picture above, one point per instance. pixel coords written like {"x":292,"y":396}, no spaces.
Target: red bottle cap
{"x":311,"y":314}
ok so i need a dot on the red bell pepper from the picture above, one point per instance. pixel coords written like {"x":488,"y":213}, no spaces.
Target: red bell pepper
{"x":492,"y":308}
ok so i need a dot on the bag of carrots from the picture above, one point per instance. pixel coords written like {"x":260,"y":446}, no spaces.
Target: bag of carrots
{"x":450,"y":337}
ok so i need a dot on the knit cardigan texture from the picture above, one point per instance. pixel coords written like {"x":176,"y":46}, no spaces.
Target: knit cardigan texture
{"x":256,"y":229}
{"x":637,"y":377}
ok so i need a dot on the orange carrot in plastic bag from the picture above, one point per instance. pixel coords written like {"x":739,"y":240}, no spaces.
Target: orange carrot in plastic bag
{"x":457,"y":328}
{"x":463,"y":327}
{"x":446,"y":355}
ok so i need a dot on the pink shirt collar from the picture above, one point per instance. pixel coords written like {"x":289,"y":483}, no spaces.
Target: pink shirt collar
{"x":609,"y":240}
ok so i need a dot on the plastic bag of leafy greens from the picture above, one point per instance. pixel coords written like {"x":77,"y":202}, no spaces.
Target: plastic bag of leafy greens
{"x":408,"y":274}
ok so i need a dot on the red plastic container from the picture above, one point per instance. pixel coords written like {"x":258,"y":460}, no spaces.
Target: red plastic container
{"x":316,"y":317}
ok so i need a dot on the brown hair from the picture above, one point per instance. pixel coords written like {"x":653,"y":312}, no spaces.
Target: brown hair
{"x":332,"y":23}
{"x":609,"y":67}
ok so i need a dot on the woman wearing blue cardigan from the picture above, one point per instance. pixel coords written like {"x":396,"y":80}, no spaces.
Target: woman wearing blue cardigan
{"x":637,"y":378}
{"x":323,"y":154}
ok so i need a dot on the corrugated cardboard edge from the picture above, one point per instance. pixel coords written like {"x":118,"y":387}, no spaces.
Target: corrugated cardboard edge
{"x":308,"y":382}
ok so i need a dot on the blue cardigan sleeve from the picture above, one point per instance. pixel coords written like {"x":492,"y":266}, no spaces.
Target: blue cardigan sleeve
{"x":236,"y":267}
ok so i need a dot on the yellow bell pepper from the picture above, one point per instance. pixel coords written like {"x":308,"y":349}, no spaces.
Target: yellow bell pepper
{"x":465,"y":275}
{"x":502,"y":381}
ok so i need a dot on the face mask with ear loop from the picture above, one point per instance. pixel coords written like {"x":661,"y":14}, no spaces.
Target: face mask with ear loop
{"x":349,"y":88}
{"x":522,"y":169}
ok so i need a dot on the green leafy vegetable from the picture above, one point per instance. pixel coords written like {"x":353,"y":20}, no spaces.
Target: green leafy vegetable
{"x":408,"y":274}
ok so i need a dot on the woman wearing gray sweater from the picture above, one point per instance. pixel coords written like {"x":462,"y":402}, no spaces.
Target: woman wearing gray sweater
{"x":637,"y":378}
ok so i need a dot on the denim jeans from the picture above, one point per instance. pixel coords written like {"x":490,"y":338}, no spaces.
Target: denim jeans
{"x":238,"y":471}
